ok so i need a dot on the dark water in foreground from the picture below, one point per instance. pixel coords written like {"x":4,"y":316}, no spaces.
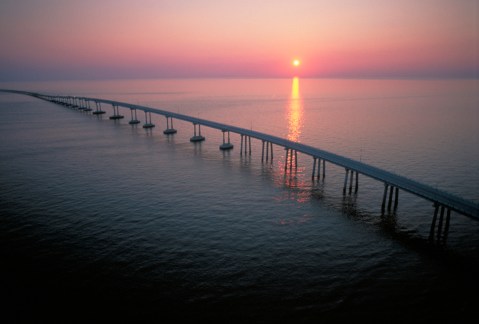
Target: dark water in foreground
{"x":103,"y":221}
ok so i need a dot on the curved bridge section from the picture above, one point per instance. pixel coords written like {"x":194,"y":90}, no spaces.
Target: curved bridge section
{"x":443,"y":201}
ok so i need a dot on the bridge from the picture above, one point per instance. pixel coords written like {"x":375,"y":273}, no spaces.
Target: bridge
{"x":442,"y":201}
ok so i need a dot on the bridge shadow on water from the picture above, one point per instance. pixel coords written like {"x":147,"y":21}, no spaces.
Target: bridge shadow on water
{"x":389,"y":223}
{"x":387,"y":220}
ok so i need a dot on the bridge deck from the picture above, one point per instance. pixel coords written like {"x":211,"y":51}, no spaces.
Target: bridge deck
{"x":458,"y":204}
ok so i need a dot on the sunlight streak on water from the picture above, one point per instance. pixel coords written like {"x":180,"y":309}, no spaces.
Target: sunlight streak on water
{"x":295,"y":112}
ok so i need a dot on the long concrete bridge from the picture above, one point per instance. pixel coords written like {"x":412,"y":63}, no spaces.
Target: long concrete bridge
{"x":442,"y":201}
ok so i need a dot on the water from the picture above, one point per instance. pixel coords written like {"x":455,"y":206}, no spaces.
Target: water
{"x":102,"y":220}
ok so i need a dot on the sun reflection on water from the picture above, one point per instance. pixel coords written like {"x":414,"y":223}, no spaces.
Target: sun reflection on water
{"x":293,"y":172}
{"x":295,"y":112}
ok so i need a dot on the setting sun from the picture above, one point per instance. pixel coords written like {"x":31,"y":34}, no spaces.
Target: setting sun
{"x":296,"y":62}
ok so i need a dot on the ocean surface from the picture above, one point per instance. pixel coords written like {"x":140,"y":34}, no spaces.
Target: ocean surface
{"x":104,"y":221}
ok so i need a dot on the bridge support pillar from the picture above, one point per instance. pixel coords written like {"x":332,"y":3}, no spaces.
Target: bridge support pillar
{"x":290,"y":159}
{"x":319,"y":169}
{"x":88,"y":107}
{"x":351,"y":182}
{"x":246,"y":140}
{"x":295,"y":160}
{"x":441,"y":220}
{"x":134,"y":119}
{"x":286,"y":159}
{"x":357,"y":183}
{"x":84,"y":104}
{"x":249,"y":144}
{"x":262,"y":151}
{"x":266,"y":149}
{"x":98,"y":110}
{"x":116,"y":113}
{"x":80,"y":104}
{"x":226,"y":145}
{"x":441,"y":236}
{"x":383,"y":205}
{"x":392,"y":191}
{"x":291,"y":152}
{"x":317,"y":161}
{"x":433,"y":224}
{"x":197,"y":137}
{"x":446,"y":229}
{"x":353,"y":179}
{"x":390,"y":197}
{"x":148,"y":123}
{"x":345,"y":181}
{"x":396,"y":198}
{"x":169,"y":128}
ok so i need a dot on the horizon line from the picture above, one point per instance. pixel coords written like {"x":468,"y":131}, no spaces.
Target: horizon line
{"x":179,"y":77}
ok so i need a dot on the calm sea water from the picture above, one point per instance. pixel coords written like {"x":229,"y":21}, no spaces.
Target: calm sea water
{"x":101,"y":220}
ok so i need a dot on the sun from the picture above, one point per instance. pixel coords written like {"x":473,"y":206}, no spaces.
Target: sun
{"x":296,"y":62}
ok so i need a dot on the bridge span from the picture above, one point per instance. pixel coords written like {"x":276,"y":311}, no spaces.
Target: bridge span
{"x":442,"y":201}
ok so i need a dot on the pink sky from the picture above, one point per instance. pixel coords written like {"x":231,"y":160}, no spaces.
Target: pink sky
{"x":63,"y":39}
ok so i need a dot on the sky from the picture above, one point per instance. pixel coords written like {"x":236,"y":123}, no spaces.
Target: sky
{"x":90,"y":39}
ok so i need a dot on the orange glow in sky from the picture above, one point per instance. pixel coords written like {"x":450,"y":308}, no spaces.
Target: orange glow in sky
{"x":190,"y":38}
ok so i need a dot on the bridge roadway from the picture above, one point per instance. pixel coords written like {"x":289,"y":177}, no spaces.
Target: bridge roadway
{"x":438,"y":197}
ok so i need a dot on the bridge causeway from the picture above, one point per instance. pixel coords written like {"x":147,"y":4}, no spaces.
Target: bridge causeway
{"x":443,"y":201}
